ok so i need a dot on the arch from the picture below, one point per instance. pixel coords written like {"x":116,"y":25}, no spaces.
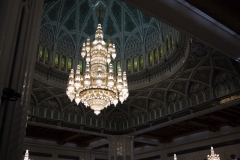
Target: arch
{"x":108,"y":124}
{"x":228,"y":88}
{"x":41,"y":53}
{"x":171,"y":108}
{"x":41,"y":111}
{"x":141,"y":62}
{"x":79,"y":118}
{"x":125,"y":124}
{"x":113,"y":125}
{"x":145,"y":117}
{"x":55,"y":114}
{"x":160,"y":51}
{"x":208,"y":94}
{"x":70,"y":63}
{"x":94,"y":121}
{"x":152,"y":114}
{"x":184,"y":103}
{"x":193,"y":100}
{"x":178,"y":106}
{"x":219,"y":90}
{"x":65,"y":116}
{"x":135,"y":120}
{"x":47,"y":55}
{"x":129,"y":65}
{"x":236,"y":84}
{"x":150,"y":58}
{"x":135,"y":63}
{"x":88,"y":121}
{"x":163,"y":111}
{"x":80,"y":63}
{"x":99,"y":122}
{"x":200,"y":98}
{"x":63,"y":63}
{"x":155,"y":51}
{"x":49,"y":113}
{"x":56,"y":60}
{"x":118,"y":64}
{"x":158,"y":112}
{"x":72,"y":117}
{"x":119,"y":125}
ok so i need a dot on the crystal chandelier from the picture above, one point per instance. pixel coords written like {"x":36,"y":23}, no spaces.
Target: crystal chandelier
{"x":213,"y":156}
{"x":97,"y":87}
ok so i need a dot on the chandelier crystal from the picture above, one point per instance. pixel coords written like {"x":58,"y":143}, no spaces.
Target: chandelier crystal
{"x":97,"y":88}
{"x":213,"y":156}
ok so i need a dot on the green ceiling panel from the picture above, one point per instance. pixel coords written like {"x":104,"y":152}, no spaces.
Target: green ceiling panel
{"x":70,"y":23}
{"x":83,"y":11}
{"x":129,"y":24}
{"x":54,"y":11}
{"x":117,"y":12}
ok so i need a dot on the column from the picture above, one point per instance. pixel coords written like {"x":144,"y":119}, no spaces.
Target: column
{"x":18,"y":45}
{"x":120,"y":147}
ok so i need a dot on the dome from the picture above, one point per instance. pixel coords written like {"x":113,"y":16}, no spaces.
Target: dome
{"x":143,"y":43}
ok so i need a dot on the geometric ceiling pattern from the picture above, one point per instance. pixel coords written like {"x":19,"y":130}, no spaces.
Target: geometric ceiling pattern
{"x":206,"y":75}
{"x":66,"y":24}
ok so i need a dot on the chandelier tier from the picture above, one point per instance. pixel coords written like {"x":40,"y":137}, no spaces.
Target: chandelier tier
{"x":97,"y":87}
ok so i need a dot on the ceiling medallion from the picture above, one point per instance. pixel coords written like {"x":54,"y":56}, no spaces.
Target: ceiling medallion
{"x":97,"y":87}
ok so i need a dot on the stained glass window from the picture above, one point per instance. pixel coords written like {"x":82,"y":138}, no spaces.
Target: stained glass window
{"x":135,"y":63}
{"x":41,"y":53}
{"x":160,"y":51}
{"x":47,"y":56}
{"x":155,"y":55}
{"x":56,"y":61}
{"x":70,"y":63}
{"x":118,"y":64}
{"x":80,"y":63}
{"x":129,"y":67}
{"x":63,"y":63}
{"x":150,"y":57}
{"x":141,"y":62}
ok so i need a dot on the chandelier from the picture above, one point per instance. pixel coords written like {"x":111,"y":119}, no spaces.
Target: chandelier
{"x":97,"y":88}
{"x":213,"y":156}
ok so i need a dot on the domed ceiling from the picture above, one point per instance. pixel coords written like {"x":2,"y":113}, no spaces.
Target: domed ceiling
{"x":204,"y":78}
{"x":66,"y":24}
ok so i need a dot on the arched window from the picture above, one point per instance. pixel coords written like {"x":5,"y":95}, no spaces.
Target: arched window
{"x":129,"y":67}
{"x":220,"y":90}
{"x":56,"y":61}
{"x":178,"y":107}
{"x":79,"y":118}
{"x":118,"y":64}
{"x":150,"y":58}
{"x":155,"y":55}
{"x":193,"y":100}
{"x":141,"y":62}
{"x":94,"y":121}
{"x":171,"y":108}
{"x":63,"y":63}
{"x":236,"y":84}
{"x":80,"y":63}
{"x":70,"y":63}
{"x":200,"y":97}
{"x":167,"y":45}
{"x":208,"y":95}
{"x":41,"y":111}
{"x":160,"y":52}
{"x":99,"y":122}
{"x":171,"y":41}
{"x":55,"y":114}
{"x":72,"y":117}
{"x":157,"y":112}
{"x":112,"y":125}
{"x":87,"y":120}
{"x":135,"y":64}
{"x":49,"y":112}
{"x":47,"y":55}
{"x":152,"y":114}
{"x":163,"y":111}
{"x":41,"y":54}
{"x":184,"y":103}
{"x":65,"y":116}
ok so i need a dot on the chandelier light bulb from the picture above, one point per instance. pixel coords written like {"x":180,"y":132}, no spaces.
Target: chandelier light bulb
{"x":213,"y":156}
{"x":97,"y":88}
